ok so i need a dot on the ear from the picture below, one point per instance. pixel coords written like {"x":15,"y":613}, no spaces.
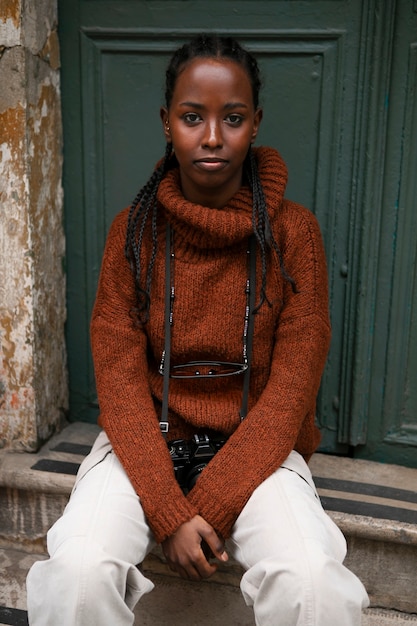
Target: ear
{"x":257,"y":119}
{"x":165,"y":123}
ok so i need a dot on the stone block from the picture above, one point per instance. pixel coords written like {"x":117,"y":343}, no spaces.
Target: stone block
{"x":388,"y":571}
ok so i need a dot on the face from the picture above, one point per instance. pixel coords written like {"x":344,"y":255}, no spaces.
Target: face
{"x":211,"y":123}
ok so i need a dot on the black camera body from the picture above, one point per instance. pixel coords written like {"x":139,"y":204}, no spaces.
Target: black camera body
{"x":190,"y":457}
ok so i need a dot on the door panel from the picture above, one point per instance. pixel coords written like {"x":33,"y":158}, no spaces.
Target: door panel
{"x":391,"y":407}
{"x":320,"y":111}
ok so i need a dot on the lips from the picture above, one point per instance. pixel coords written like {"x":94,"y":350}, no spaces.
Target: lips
{"x":211,"y":164}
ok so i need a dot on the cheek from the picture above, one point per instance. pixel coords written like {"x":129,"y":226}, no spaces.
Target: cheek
{"x":182,"y":141}
{"x":241,"y":148}
{"x":241,"y":141}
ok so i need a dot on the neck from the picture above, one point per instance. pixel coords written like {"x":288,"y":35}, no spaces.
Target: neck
{"x":212,"y":197}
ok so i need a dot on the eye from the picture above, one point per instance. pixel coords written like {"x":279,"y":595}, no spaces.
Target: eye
{"x":234,"y":119}
{"x":191,"y":118}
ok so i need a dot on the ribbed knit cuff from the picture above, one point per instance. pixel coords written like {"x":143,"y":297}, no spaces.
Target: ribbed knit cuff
{"x":165,"y":519}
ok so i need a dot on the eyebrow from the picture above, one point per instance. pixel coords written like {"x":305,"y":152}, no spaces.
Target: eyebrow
{"x":228,"y":105}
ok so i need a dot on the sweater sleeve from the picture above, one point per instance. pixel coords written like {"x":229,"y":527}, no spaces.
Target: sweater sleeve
{"x":285,"y":411}
{"x":127,"y":411}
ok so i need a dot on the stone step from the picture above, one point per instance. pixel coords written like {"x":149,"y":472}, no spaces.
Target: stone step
{"x":173,"y":602}
{"x":375,"y":505}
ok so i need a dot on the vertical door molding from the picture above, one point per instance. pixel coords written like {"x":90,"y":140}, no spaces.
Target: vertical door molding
{"x":367,"y":196}
{"x":400,"y":399}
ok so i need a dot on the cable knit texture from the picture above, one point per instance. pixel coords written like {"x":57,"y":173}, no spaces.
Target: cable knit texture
{"x":291,"y":340}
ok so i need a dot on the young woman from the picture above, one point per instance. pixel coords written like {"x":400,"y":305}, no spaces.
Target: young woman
{"x":210,"y":332}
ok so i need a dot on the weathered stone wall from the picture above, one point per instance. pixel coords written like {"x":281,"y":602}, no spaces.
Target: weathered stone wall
{"x":33,"y":380}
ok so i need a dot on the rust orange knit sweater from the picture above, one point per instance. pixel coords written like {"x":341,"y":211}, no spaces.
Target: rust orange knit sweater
{"x":291,"y":340}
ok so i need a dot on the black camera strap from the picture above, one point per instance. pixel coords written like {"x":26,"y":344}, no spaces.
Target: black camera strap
{"x":251,"y":323}
{"x":163,"y":421}
{"x":169,"y":296}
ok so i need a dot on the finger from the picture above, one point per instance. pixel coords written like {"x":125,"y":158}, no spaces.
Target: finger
{"x":207,"y":550}
{"x":204,"y":566}
{"x":190,"y":573}
{"x":179,"y":569}
{"x":216,"y":545}
{"x":182,"y":572}
{"x":195,"y":567}
{"x":192,"y":567}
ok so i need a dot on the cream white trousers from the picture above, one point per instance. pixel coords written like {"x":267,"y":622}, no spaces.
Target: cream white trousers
{"x":290,"y":549}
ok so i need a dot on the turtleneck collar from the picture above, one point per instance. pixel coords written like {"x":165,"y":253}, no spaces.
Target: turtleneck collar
{"x":205,"y":227}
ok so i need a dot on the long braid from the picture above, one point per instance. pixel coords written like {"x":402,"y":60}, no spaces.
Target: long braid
{"x":143,"y":206}
{"x":258,"y":222}
{"x":262,"y":227}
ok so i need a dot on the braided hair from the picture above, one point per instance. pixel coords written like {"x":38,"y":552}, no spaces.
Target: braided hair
{"x":144,"y":207}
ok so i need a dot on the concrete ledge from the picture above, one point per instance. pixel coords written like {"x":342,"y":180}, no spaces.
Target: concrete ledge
{"x":388,"y":571}
{"x":31,"y":500}
{"x":173,"y":602}
{"x":380,"y":617}
{"x":365,"y":527}
{"x":16,"y":468}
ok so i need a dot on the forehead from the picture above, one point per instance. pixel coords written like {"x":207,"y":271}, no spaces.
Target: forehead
{"x":213,"y":78}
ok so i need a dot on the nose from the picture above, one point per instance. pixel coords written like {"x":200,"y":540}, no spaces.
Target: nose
{"x":213,"y":137}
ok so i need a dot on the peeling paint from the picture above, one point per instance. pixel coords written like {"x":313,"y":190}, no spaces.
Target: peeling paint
{"x":9,"y":33}
{"x":10,"y":30}
{"x":33,"y":378}
{"x":10,"y":9}
{"x":17,"y":356}
{"x":39,"y":19}
{"x":50,"y":51}
{"x":12,"y":66}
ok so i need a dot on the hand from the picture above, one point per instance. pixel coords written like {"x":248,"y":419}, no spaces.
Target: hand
{"x":184,"y":549}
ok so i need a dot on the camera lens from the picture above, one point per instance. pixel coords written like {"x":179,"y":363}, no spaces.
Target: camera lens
{"x":193,"y":475}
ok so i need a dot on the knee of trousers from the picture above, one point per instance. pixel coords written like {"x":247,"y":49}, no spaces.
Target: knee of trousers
{"x":81,"y":570}
{"x":314,"y":583}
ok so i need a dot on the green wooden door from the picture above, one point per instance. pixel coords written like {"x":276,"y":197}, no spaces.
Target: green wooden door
{"x":324,"y":105}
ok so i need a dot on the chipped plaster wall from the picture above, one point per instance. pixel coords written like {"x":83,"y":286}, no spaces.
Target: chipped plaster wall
{"x":33,"y":380}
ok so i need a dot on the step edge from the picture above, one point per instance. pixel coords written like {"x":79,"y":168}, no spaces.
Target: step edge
{"x":375,"y":529}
